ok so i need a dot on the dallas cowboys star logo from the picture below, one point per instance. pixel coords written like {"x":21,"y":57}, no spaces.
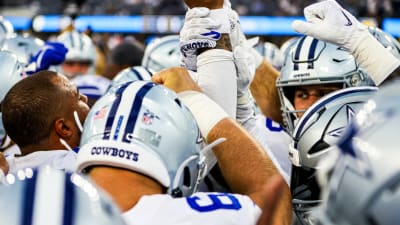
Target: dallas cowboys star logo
{"x":350,"y":113}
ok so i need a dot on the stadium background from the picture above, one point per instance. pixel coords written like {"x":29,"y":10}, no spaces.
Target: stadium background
{"x":110,"y":21}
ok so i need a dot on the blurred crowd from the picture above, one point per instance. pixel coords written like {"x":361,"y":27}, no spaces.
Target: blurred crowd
{"x":362,"y":8}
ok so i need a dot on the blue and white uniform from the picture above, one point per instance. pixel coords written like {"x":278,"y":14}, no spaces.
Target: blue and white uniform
{"x":199,"y":208}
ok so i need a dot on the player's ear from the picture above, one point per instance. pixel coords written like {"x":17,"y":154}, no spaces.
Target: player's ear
{"x":63,"y":128}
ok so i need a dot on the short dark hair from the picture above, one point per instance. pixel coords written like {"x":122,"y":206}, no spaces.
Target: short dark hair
{"x":127,"y":53}
{"x":30,"y":108}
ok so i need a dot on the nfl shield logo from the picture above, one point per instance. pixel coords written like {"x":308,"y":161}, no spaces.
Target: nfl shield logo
{"x":148,"y":117}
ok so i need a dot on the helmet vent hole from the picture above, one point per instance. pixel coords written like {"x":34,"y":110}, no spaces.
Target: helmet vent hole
{"x":320,"y":145}
{"x":178,"y":102}
{"x":186,"y":176}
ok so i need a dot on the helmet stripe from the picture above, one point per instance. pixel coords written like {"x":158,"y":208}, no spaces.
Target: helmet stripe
{"x":311,"y":53}
{"x":297,"y":53}
{"x":69,"y":200}
{"x":151,"y":74}
{"x":113,"y":111}
{"x":136,"y":73}
{"x":29,"y":199}
{"x":71,"y":38}
{"x":134,"y":113}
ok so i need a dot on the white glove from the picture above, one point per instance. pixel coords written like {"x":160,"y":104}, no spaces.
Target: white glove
{"x":328,"y":21}
{"x":245,"y":63}
{"x":201,"y":29}
{"x":236,"y":34}
{"x":238,"y":38}
{"x":247,"y":59}
{"x":245,"y":68}
{"x":246,"y":109}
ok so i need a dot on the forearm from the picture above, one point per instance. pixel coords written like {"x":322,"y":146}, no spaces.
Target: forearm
{"x":217,"y":75}
{"x":263,"y":88}
{"x":242,"y":160}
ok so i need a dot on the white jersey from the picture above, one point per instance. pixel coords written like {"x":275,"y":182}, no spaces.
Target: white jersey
{"x":12,"y":150}
{"x":58,"y":159}
{"x":274,"y":140}
{"x":201,"y":208}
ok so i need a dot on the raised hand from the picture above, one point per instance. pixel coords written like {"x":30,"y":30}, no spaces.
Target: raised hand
{"x":52,"y":53}
{"x":328,"y":21}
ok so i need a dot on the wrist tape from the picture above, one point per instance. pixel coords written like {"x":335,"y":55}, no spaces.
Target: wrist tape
{"x":206,"y":112}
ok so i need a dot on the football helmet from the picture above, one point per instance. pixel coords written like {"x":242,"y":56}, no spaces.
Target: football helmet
{"x":314,"y":62}
{"x":6,"y":29}
{"x":10,"y":74}
{"x":132,"y":74}
{"x":92,"y":86}
{"x":80,"y":48}
{"x":162,"y":53}
{"x":51,"y":197}
{"x":24,"y":46}
{"x":319,"y":128}
{"x":144,"y":127}
{"x":386,"y":40}
{"x":361,"y":184}
{"x":273,"y":54}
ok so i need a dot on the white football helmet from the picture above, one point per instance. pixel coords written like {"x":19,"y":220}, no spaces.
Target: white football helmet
{"x":162,"y":53}
{"x":144,"y":127}
{"x":273,"y":54}
{"x":6,"y":29}
{"x":361,"y":184}
{"x":10,"y":74}
{"x":52,"y":197}
{"x":24,"y":46}
{"x":132,"y":74}
{"x":319,"y":128}
{"x":314,"y":62}
{"x":80,"y":48}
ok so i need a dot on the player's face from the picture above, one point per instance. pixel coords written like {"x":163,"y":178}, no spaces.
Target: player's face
{"x":305,"y":96}
{"x":76,"y":103}
{"x":74,"y":68}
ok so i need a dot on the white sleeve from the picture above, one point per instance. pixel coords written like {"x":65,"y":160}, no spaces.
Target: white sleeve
{"x":217,"y":78}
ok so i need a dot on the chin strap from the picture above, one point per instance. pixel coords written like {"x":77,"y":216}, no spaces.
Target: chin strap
{"x":77,"y":121}
{"x":65,"y":144}
{"x":208,"y":155}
